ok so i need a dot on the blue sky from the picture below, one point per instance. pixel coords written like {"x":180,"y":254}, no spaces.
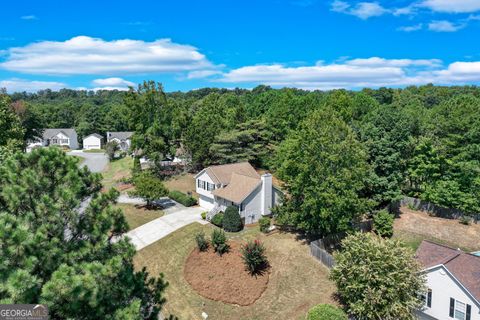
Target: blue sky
{"x":192,"y":44}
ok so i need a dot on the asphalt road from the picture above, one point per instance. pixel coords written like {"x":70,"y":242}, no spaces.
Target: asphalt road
{"x":96,"y":162}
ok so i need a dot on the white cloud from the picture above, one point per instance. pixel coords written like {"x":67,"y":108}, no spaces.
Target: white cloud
{"x":444,"y":26}
{"x":362,"y":10}
{"x":202,"y":74}
{"x":20,"y":85}
{"x":113,"y":82}
{"x":452,"y":6}
{"x":29,"y":17}
{"x":358,"y":73}
{"x":86,"y":55}
{"x":415,"y":27}
{"x":377,"y":62}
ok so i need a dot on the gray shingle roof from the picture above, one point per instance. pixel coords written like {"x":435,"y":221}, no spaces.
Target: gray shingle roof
{"x":49,"y":133}
{"x":120,"y":135}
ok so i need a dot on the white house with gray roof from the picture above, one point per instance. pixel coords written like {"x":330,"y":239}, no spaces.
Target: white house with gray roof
{"x":92,"y":141}
{"x":122,"y":138}
{"x":63,"y":137}
{"x":239,"y":185}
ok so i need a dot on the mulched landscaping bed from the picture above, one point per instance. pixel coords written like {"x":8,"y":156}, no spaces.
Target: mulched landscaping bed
{"x":224,"y":278}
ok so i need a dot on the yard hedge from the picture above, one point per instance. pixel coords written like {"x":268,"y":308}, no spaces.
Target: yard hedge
{"x":326,"y":312}
{"x":232,"y":222}
{"x":182,"y":198}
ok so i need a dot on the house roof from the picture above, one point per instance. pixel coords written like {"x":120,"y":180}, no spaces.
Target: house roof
{"x":94,"y":135}
{"x":120,"y":135}
{"x":463,"y":266}
{"x":222,"y":174}
{"x":49,"y":133}
{"x":239,"y":188}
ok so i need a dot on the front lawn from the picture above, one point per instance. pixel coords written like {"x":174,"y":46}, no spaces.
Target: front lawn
{"x":137,"y":215}
{"x":117,"y":170}
{"x":296,"y":283}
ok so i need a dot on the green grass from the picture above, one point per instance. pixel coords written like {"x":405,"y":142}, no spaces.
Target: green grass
{"x":94,"y":151}
{"x":117,"y":170}
{"x":137,"y":215}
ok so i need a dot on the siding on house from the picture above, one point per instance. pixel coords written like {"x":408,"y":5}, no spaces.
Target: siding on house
{"x":444,"y":287}
{"x":252,"y":206}
{"x":92,"y":142}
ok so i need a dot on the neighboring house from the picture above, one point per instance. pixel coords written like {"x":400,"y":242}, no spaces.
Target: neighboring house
{"x":239,"y":185}
{"x":64,"y":137}
{"x":92,"y":141}
{"x":453,"y":283}
{"x":123,"y":138}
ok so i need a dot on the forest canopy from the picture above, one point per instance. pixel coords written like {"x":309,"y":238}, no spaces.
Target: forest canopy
{"x":418,"y":141}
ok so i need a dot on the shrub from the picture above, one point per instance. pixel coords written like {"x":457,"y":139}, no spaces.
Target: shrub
{"x":202,"y":242}
{"x":326,"y":312}
{"x":253,"y":254}
{"x":218,"y":219}
{"x":465,"y":220}
{"x":182,"y":198}
{"x":394,"y":270}
{"x":219,"y":241}
{"x":204,"y":215}
{"x":383,"y":223}
{"x":264,"y":223}
{"x":232,"y":222}
{"x":411,"y":206}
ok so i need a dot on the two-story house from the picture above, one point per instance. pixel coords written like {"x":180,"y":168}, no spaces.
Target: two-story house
{"x":453,"y":283}
{"x":239,"y":185}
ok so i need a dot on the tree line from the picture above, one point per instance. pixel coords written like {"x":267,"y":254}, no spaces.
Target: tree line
{"x":339,"y":152}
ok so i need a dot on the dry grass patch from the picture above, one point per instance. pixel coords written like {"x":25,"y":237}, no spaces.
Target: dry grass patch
{"x":184,"y":183}
{"x":296,"y":281}
{"x":137,"y":215}
{"x":116,"y":171}
{"x":414,"y":226}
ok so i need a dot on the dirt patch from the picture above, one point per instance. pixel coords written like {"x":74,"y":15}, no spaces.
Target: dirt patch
{"x":224,"y":278}
{"x":447,"y":231}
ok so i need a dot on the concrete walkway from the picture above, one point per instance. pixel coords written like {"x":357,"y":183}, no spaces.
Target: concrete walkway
{"x":163,"y":226}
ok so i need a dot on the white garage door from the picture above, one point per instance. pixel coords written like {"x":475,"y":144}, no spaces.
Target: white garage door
{"x":205,"y":202}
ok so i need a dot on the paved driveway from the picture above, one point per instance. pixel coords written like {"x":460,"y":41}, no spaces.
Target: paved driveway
{"x":163,"y":226}
{"x":96,"y":162}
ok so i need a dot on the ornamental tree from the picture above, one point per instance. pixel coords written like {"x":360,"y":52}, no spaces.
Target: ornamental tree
{"x":377,"y":278}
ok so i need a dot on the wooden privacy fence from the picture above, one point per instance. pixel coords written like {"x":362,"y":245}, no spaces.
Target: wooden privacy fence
{"x":438,"y":211}
{"x":321,"y":249}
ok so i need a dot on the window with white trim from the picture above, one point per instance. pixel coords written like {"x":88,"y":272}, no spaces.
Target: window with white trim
{"x":460,"y":310}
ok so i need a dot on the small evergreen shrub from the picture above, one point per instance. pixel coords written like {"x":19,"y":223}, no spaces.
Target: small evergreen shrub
{"x":218,"y":219}
{"x":465,"y":220}
{"x":383,"y":223}
{"x":326,"y":312}
{"x":202,"y":242}
{"x":253,"y":254}
{"x":232,"y":222}
{"x":264,"y":223}
{"x":182,"y":198}
{"x":219,"y":242}
{"x":204,"y":215}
